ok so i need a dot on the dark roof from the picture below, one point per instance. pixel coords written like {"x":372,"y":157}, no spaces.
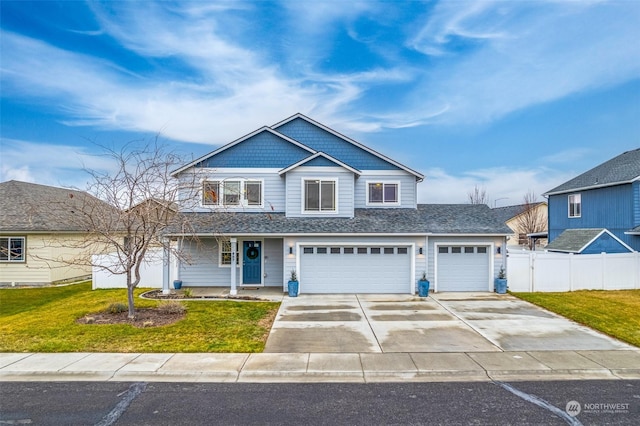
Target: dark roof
{"x":574,"y":240}
{"x":635,"y":230}
{"x":622,"y":169}
{"x":29,"y":207}
{"x":509,"y":212}
{"x":427,"y":218}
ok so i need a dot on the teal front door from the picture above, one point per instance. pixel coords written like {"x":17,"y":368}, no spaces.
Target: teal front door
{"x":252,"y":262}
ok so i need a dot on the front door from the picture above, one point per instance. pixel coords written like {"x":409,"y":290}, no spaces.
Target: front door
{"x":252,"y":262}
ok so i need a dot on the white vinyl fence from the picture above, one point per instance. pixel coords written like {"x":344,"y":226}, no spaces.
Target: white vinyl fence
{"x":150,"y":272}
{"x":542,"y":271}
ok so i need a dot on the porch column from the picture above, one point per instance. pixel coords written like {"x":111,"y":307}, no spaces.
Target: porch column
{"x":166,"y":267}
{"x":234,"y":247}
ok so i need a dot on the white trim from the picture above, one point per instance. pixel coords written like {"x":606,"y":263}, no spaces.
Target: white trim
{"x":316,"y":155}
{"x":22,"y":237}
{"x":579,"y":195}
{"x":347,"y":139}
{"x":242,"y":201}
{"x":398,"y":202}
{"x":411,"y":252}
{"x":237,"y":141}
{"x":378,"y":173}
{"x":586,"y":188}
{"x":336,"y":209}
{"x":490,"y":253}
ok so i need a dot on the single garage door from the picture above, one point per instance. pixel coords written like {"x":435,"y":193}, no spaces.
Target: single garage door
{"x":355,"y":269}
{"x":463,"y":268}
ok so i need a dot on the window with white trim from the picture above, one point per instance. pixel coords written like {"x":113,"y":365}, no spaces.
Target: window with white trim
{"x":12,"y":249}
{"x":319,"y":195}
{"x":383,"y":193}
{"x":225,"y":253}
{"x":575,"y":205}
{"x":240,"y":192}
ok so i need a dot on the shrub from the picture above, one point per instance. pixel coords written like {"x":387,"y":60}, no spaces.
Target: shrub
{"x":171,"y":307}
{"x":116,"y":308}
{"x":188,"y":292}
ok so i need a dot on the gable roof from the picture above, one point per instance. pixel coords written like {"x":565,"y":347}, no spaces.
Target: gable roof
{"x":320,"y":155}
{"x":577,"y":240}
{"x":230,"y":145}
{"x":29,"y":207}
{"x":625,"y":168}
{"x":282,"y":125}
{"x":427,"y":219}
{"x":279,"y":131}
{"x":507,"y":213}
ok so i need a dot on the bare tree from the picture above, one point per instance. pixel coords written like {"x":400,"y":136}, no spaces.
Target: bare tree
{"x":531,"y":218}
{"x":129,"y":209}
{"x":478,"y":196}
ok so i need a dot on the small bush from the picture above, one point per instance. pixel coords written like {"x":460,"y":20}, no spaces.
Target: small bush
{"x":116,"y":308}
{"x":188,"y":292}
{"x":171,"y":307}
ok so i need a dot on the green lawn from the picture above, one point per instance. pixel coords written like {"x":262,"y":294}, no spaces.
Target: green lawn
{"x":44,"y":320}
{"x":616,"y":313}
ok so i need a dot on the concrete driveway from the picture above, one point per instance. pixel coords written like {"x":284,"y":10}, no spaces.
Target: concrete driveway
{"x":444,"y":322}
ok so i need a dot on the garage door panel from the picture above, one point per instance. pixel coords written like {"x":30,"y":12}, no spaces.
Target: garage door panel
{"x":463,"y":271}
{"x":353,"y":272}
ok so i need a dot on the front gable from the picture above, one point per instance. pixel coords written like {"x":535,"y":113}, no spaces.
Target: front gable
{"x":588,"y":241}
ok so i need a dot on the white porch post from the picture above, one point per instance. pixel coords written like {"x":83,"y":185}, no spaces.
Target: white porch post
{"x":234,"y":248}
{"x":166,"y":267}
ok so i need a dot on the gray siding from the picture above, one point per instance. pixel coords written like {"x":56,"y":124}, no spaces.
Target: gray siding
{"x":408,"y":190}
{"x":344,"y":197}
{"x":273,"y":191}
{"x":273,"y":262}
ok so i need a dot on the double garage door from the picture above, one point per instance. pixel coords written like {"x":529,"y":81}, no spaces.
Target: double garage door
{"x":463,"y":268}
{"x":355,"y":269}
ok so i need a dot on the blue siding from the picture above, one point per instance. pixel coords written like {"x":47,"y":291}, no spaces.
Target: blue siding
{"x":611,"y":208}
{"x":321,"y":162}
{"x":264,"y":150}
{"x":605,"y":244}
{"x":636,"y":203}
{"x":321,"y":140}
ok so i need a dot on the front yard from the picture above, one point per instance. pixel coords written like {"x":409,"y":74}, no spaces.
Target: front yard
{"x":616,"y":313}
{"x":44,"y":320}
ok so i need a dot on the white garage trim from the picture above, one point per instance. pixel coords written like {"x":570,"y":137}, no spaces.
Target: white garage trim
{"x":490,"y":253}
{"x":410,"y":285}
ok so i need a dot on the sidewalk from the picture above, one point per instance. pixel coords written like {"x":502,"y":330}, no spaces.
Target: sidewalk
{"x":321,"y":367}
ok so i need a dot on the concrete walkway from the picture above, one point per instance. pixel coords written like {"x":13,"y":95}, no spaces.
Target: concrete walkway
{"x":321,"y":367}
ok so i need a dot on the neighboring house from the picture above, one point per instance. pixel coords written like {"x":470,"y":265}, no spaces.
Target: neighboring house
{"x":528,"y":223}
{"x":39,"y":233}
{"x":299,"y":196}
{"x":598,"y":211}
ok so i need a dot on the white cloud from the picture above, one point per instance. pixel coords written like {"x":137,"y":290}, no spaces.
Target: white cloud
{"x":504,"y":185}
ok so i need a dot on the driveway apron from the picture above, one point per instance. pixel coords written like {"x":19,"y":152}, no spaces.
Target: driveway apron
{"x":445,"y":322}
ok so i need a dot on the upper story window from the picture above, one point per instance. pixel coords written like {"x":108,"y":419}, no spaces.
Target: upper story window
{"x":319,"y":195}
{"x":383,"y":193}
{"x":12,"y":249}
{"x":232,"y":193}
{"x":575,"y":205}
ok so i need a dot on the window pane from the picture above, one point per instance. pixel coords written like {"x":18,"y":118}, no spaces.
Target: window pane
{"x":321,"y":250}
{"x":362,"y":250}
{"x":402,"y":250}
{"x":390,"y":193}
{"x":16,"y":249}
{"x":4,"y":249}
{"x":388,"y":250}
{"x":210,"y":191}
{"x":468,"y":249}
{"x":312,"y":195}
{"x":375,"y":250}
{"x":307,"y":250}
{"x":481,"y":250}
{"x":335,"y":250}
{"x":253,"y":193}
{"x":348,"y":250}
{"x":327,"y":197}
{"x":375,"y":192}
{"x":443,"y":249}
{"x":231,"y":193}
{"x":456,"y":249}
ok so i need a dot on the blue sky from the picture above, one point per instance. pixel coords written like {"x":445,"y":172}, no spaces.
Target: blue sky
{"x":507,"y":95}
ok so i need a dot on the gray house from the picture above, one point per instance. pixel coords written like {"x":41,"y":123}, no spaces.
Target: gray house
{"x":299,"y":196}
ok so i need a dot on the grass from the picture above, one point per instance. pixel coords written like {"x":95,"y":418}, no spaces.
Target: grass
{"x":616,"y":313}
{"x":44,"y":320}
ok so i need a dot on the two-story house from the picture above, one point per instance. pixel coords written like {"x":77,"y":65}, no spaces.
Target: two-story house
{"x":299,"y":196}
{"x":599,"y":210}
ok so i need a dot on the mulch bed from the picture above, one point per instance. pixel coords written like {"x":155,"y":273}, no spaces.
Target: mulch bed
{"x":144,"y":317}
{"x":157,"y":294}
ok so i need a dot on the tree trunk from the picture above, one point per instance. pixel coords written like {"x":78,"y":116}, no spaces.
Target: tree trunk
{"x":131,"y":314}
